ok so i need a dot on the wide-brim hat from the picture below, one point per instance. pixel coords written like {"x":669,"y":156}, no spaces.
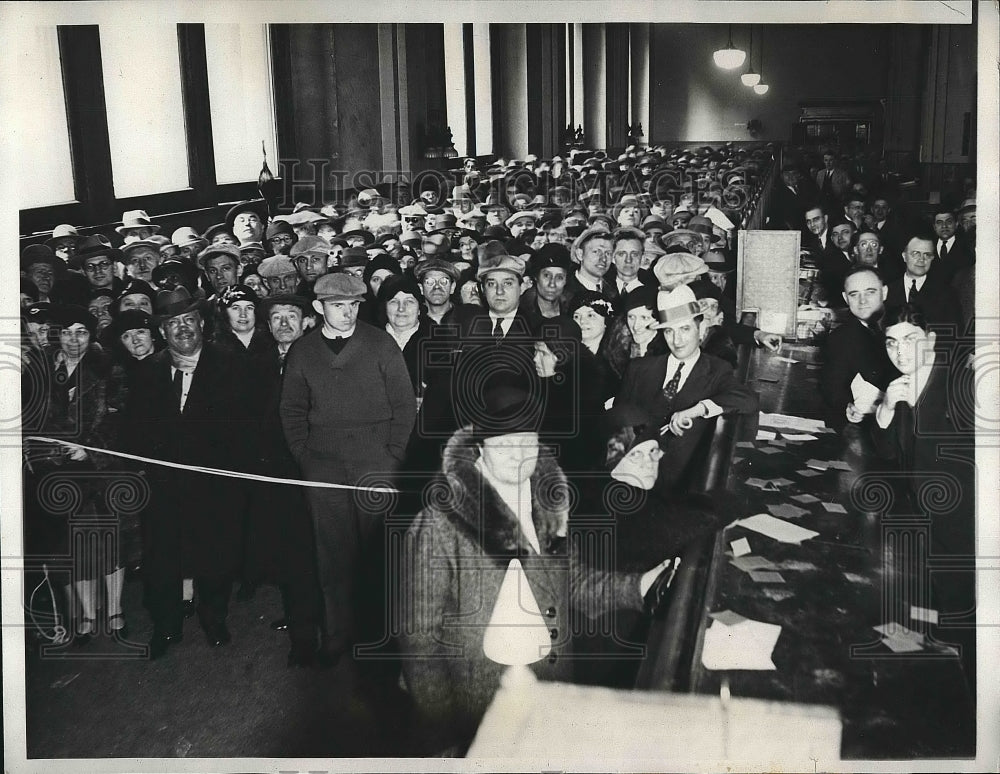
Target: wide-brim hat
{"x":354,"y":256}
{"x":258,"y":206}
{"x":218,"y":228}
{"x":364,"y":234}
{"x":170,"y":303}
{"x":969,"y":205}
{"x":60,"y":232}
{"x":93,"y":247}
{"x":704,"y":226}
{"x":231,"y":251}
{"x":186,"y":236}
{"x":675,"y":306}
{"x":719,"y":262}
{"x":33,"y":254}
{"x":136,"y":219}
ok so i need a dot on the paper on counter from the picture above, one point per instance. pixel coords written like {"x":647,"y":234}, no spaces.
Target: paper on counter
{"x":770,"y":450}
{"x":898,"y":631}
{"x":780,"y":530}
{"x":766,"y":435}
{"x":901,"y":644}
{"x":923,"y":614}
{"x":834,"y":508}
{"x":727,"y":617}
{"x":751,"y":563}
{"x":839,"y":465}
{"x":818,"y":464}
{"x":766,"y":576}
{"x":787,"y":511}
{"x":781,"y":481}
{"x":740,"y":547}
{"x":798,"y":436}
{"x":777,"y":442}
{"x":745,"y":645}
{"x":808,"y":473}
{"x":866,"y":394}
{"x":745,"y":445}
{"x":805,"y":498}
{"x":790,"y":422}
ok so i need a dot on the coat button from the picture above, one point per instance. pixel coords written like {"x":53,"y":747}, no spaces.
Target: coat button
{"x":553,"y":633}
{"x":550,"y":612}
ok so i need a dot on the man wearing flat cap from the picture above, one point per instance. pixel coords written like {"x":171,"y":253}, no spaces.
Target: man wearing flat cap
{"x":437,"y":279}
{"x":681,"y":390}
{"x":592,"y":251}
{"x":189,"y":405}
{"x":309,"y":254}
{"x":347,"y":409}
{"x":280,"y":237}
{"x":221,"y":264}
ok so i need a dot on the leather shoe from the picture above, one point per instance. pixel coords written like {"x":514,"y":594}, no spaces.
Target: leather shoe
{"x":188,"y":608}
{"x":280,"y":625}
{"x":218,"y":635}
{"x":160,"y":643}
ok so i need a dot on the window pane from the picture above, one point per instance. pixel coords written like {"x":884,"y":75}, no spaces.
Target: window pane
{"x":454,"y":85}
{"x":40,"y":129}
{"x":142,"y":86}
{"x":484,"y":88}
{"x":242,"y":100}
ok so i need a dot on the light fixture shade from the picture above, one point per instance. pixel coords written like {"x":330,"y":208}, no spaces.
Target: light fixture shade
{"x":761,"y":88}
{"x":750,"y":79}
{"x":729,"y":58}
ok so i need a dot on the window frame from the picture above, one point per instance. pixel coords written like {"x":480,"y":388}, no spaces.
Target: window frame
{"x":95,"y":203}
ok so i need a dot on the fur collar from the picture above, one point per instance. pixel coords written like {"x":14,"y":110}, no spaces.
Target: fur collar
{"x":476,"y":508}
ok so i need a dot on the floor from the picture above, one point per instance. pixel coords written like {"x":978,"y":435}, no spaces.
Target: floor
{"x":105,"y":699}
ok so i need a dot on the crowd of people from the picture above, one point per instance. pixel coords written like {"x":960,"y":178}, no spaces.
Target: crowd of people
{"x":464,"y":355}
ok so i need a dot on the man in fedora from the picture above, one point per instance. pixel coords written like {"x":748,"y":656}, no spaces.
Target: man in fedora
{"x":141,"y":257}
{"x":246,"y":221}
{"x":347,"y":409}
{"x":64,"y":241}
{"x":188,"y":405}
{"x":683,"y":389}
{"x":97,"y":258}
{"x":136,"y":226}
{"x":188,"y":242}
{"x":41,"y":266}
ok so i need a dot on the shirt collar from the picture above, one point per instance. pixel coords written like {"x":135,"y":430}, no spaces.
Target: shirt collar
{"x":688,"y":364}
{"x":338,"y":335}
{"x":587,"y":282}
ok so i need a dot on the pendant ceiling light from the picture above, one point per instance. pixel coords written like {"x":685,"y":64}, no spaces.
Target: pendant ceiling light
{"x":730,"y":57}
{"x":750,"y":78}
{"x":760,"y":87}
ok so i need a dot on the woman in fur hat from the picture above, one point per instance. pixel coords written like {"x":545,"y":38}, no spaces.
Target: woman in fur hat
{"x":499,"y":511}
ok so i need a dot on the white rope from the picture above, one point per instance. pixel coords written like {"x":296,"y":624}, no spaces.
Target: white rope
{"x":214,"y":471}
{"x":59,"y":633}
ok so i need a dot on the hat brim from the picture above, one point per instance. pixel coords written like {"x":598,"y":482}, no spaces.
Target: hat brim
{"x":175,"y":310}
{"x":258,"y":207}
{"x":123,"y":228}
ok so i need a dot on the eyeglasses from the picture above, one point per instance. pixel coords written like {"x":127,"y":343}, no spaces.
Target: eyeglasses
{"x":868,"y":243}
{"x":440,"y":282}
{"x":96,"y":267}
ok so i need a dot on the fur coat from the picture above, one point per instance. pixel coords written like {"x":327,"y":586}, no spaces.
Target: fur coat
{"x":455,"y":558}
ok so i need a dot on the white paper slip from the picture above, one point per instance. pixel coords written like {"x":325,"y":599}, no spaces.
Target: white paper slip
{"x":781,"y":481}
{"x":805,"y":498}
{"x":818,"y":464}
{"x":787,"y":511}
{"x":923,"y":614}
{"x":766,"y":435}
{"x":790,"y":422}
{"x":744,"y":645}
{"x":780,"y":530}
{"x":798,"y":436}
{"x":834,"y":508}
{"x":727,"y":617}
{"x":901,"y":644}
{"x":741,"y":547}
{"x":745,"y":445}
{"x":808,"y":473}
{"x":866,"y":394}
{"x":770,"y":450}
{"x":895,"y":630}
{"x":609,"y":403}
{"x":750,"y":563}
{"x":839,"y":465}
{"x":766,"y":576}
{"x":778,"y":442}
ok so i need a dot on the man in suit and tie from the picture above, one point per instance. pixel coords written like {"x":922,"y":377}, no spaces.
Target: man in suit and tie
{"x":628,"y":246}
{"x":856,"y":347}
{"x":832,"y":182}
{"x":347,"y":409}
{"x":817,"y":235}
{"x":836,"y":260}
{"x":592,"y":251}
{"x":788,"y":201}
{"x":951,"y":250}
{"x":681,"y":390}
{"x":938,"y":301}
{"x":189,"y":404}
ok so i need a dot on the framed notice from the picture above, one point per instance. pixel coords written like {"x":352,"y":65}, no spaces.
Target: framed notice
{"x":767,"y":271}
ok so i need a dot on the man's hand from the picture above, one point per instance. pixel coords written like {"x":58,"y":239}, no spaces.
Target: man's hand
{"x":854,"y":415}
{"x":771,"y":341}
{"x":682,"y":420}
{"x":76,"y":453}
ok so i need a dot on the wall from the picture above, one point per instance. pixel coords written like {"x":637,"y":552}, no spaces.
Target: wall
{"x":693,"y":100}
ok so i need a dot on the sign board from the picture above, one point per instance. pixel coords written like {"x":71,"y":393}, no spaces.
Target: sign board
{"x":767,"y":271}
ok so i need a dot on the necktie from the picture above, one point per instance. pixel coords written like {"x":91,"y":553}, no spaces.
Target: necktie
{"x":912,"y":296}
{"x":827,"y":182}
{"x":498,"y":331}
{"x":943,"y":252}
{"x":178,"y":385}
{"x":670,"y":391}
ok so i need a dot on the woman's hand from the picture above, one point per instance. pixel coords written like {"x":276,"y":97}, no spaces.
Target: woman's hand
{"x":898,"y":390}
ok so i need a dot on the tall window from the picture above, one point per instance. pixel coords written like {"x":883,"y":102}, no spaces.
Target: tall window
{"x":142,"y":86}
{"x":241,"y":97}
{"x":40,"y":128}
{"x":483,"y":88}
{"x":454,"y":85}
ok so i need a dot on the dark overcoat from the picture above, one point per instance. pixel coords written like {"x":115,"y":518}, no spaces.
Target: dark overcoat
{"x":192,"y":527}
